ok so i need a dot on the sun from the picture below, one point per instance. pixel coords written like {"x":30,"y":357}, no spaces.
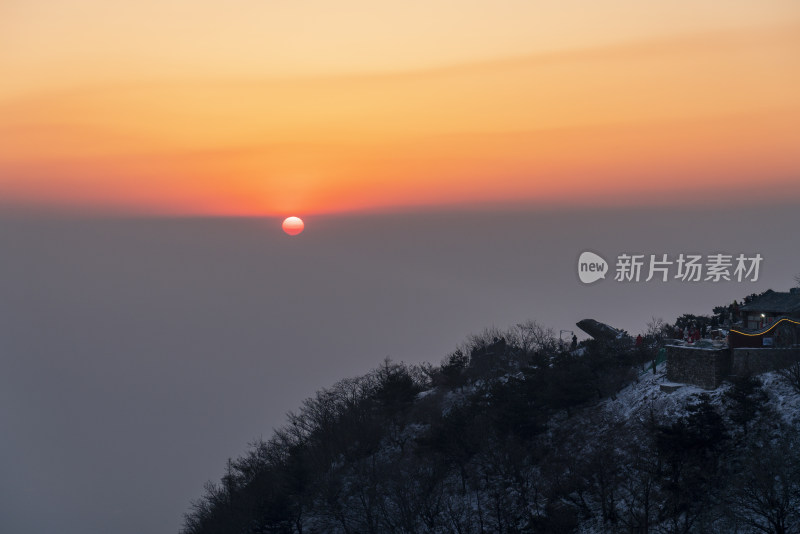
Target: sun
{"x":293,"y":225}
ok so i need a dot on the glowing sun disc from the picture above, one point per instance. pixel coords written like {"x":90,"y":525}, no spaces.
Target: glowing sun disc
{"x":293,"y":225}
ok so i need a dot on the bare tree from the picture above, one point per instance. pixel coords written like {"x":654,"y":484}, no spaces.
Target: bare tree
{"x":656,"y":329}
{"x":791,"y":375}
{"x":531,"y":336}
{"x":766,"y":495}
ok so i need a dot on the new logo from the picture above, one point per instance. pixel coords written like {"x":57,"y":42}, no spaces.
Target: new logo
{"x":591,"y":267}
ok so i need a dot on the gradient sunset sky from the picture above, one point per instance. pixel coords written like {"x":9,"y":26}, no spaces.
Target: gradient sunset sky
{"x":279,"y":108}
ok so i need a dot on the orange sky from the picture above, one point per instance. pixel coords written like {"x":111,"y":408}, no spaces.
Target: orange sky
{"x":187,"y":108}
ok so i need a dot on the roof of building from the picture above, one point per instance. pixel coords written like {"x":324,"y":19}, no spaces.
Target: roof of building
{"x":775,"y":302}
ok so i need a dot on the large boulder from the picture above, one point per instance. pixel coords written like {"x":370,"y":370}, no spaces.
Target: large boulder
{"x":600,"y":331}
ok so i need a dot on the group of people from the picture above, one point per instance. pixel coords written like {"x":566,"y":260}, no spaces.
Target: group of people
{"x":690,"y":333}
